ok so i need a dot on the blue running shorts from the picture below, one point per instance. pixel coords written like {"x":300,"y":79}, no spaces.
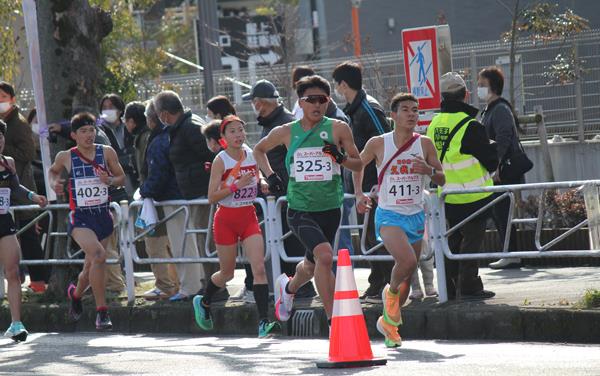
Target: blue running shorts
{"x":412,"y":225}
{"x":99,"y":221}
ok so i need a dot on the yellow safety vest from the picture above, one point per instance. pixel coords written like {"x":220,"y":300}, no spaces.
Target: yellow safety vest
{"x":461,"y":170}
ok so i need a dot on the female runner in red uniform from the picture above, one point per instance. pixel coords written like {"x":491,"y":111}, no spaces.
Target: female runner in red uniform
{"x":234,"y":182}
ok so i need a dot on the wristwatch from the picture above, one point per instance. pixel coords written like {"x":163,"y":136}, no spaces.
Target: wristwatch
{"x":110,"y":180}
{"x":433,"y":171}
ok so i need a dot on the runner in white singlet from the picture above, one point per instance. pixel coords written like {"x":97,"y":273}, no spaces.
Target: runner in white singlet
{"x":403,"y":159}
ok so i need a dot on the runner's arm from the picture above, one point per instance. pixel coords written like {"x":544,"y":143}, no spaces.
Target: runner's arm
{"x":117,"y":177}
{"x":215,"y":191}
{"x":431,"y":157}
{"x":346,"y":141}
{"x":275,"y":138}
{"x":17,"y":190}
{"x":54,"y":174}
{"x":366,"y":156}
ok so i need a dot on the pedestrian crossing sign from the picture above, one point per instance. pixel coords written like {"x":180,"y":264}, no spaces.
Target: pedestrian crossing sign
{"x":421,"y":65}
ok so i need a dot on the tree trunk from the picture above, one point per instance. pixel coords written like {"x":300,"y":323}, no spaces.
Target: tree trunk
{"x":70,"y":33}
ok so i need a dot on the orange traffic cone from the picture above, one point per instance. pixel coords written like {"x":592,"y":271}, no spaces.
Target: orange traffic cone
{"x":349,"y":344}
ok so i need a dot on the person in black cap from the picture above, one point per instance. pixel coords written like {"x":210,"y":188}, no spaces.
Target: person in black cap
{"x":270,"y":114}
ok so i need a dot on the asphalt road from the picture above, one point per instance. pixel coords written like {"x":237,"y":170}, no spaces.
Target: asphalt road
{"x":107,"y":354}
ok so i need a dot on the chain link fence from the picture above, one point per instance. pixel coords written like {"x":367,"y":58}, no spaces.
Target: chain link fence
{"x":384,"y":76}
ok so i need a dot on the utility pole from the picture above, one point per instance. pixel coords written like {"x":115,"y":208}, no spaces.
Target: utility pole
{"x":208,"y":41}
{"x":355,"y":27}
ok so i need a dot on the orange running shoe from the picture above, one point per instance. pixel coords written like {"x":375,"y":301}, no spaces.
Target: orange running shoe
{"x":390,"y":332}
{"x":388,"y":323}
{"x":391,"y":307}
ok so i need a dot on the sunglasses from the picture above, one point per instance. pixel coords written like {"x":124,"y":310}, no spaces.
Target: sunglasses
{"x":314,"y":99}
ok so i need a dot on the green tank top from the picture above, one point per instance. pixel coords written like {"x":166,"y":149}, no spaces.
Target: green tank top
{"x":315,"y":182}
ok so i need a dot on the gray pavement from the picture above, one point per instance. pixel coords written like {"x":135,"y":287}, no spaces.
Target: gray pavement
{"x":532,"y":304}
{"x":102,"y":354}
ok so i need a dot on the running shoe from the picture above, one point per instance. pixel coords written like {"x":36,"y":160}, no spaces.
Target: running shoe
{"x":283,"y":301}
{"x":390,"y":332}
{"x":75,"y":307}
{"x":388,"y":323}
{"x":202,"y":314}
{"x":391,"y":307}
{"x":16,"y":331}
{"x":103,"y":322}
{"x":265,"y":327}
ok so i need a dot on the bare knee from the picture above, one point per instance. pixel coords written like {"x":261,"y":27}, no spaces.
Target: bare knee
{"x":99,"y":256}
{"x":324,"y":259}
{"x":411,"y":264}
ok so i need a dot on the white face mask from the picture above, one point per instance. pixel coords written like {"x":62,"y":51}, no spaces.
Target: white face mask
{"x":110,"y":115}
{"x":256,"y":111}
{"x":339,"y":96}
{"x":4,"y":107}
{"x":483,"y":93}
{"x":35,"y":128}
{"x":208,"y":118}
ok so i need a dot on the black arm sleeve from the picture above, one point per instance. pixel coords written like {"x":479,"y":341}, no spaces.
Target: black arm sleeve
{"x":17,"y":191}
{"x":477,"y":143}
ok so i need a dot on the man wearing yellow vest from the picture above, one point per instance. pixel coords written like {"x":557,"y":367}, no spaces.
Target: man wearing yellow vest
{"x":468,"y":162}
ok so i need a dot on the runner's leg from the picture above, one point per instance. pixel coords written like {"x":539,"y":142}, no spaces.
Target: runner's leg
{"x":95,"y":260}
{"x":254,"y":248}
{"x":324,"y":277}
{"x":9,"y":258}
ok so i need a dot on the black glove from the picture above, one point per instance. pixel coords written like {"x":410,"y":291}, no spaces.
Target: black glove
{"x":332,"y":149}
{"x":275,"y":184}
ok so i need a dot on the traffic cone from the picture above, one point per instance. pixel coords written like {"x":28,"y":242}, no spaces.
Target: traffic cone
{"x":349,"y":344}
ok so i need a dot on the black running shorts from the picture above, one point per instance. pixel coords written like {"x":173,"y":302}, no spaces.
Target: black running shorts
{"x":314,"y":228}
{"x":7,"y":225}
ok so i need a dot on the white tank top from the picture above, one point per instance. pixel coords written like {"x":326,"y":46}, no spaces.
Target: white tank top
{"x":401,"y":190}
{"x":243,"y":196}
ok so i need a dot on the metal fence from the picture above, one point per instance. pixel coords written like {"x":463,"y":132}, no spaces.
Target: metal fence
{"x":384,"y":76}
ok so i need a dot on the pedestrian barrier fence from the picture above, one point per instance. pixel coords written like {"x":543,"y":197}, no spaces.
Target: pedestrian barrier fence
{"x":50,"y":212}
{"x":437,"y":232}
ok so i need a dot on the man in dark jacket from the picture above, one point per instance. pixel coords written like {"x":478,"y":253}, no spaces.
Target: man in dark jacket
{"x":471,"y":140}
{"x":270,"y":114}
{"x":367,"y":119}
{"x":502,"y":125}
{"x":157,"y":182}
{"x":188,"y":154}
{"x":19,"y":145}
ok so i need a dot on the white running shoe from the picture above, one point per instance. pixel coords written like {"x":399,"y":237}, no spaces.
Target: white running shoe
{"x":283,"y":301}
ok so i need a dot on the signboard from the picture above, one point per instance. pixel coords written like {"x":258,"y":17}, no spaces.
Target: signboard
{"x":427,"y":55}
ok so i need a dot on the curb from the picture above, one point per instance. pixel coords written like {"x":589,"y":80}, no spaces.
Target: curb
{"x":450,"y":321}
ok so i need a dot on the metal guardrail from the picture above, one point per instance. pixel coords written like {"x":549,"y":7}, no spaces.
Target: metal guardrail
{"x":130,"y":237}
{"x":274,"y":238}
{"x":438,"y":234}
{"x":278,"y":237}
{"x":48,"y":211}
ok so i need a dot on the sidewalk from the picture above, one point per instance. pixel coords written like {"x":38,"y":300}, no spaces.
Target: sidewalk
{"x":531,"y":304}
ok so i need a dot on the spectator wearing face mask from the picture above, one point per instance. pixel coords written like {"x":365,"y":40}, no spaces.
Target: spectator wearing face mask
{"x":112,"y":109}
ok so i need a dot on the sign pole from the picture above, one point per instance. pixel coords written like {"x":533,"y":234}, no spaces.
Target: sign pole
{"x":33,"y":42}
